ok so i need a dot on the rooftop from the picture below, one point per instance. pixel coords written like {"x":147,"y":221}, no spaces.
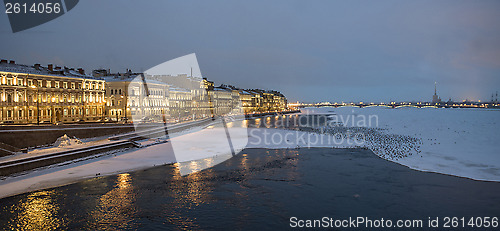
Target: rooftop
{"x":38,"y":69}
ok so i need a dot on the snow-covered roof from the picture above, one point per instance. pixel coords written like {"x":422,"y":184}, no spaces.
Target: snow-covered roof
{"x":130,"y":79}
{"x":221,"y":89}
{"x":41,"y":70}
{"x":179,"y":89}
{"x":245,"y":92}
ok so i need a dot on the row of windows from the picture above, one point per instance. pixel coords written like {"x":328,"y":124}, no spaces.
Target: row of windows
{"x":136,"y":92}
{"x":117,"y":91}
{"x":47,"y":97}
{"x":51,"y":84}
{"x":48,"y":112}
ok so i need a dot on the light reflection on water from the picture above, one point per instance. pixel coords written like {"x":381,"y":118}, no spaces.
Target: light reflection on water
{"x":113,"y":203}
{"x":258,"y":189}
{"x":116,"y":206}
{"x":186,"y":193}
{"x":38,"y":211}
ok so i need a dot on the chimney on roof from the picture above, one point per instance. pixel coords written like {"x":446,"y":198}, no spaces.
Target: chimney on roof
{"x":12,"y":62}
{"x":81,"y":71}
{"x":50,"y":67}
{"x":37,"y":66}
{"x":4,"y":61}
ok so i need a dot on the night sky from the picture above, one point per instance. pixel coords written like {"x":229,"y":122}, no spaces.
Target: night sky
{"x":369,"y":51}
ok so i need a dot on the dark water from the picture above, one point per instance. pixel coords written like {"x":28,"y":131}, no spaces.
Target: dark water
{"x":258,"y":189}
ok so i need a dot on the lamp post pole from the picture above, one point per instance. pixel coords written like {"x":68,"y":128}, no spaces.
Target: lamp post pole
{"x":37,"y":106}
{"x":52,"y":112}
{"x":124,"y":107}
{"x":26,"y":100}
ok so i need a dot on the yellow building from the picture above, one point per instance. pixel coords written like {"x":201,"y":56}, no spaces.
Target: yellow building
{"x":246,"y":102}
{"x":49,"y":94}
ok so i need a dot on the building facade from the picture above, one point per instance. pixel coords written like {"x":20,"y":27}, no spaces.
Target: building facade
{"x":127,"y":99}
{"x":52,"y":94}
{"x":33,"y":95}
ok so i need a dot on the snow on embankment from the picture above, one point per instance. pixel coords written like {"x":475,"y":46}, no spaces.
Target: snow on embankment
{"x":459,"y":142}
{"x":66,"y":141}
{"x":191,"y":146}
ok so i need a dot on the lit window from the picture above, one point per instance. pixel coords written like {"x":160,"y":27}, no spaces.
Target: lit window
{"x":65,"y":85}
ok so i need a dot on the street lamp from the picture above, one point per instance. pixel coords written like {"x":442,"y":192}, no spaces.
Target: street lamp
{"x":104,"y":112}
{"x":52,"y":112}
{"x":124,"y":107}
{"x":37,"y":105}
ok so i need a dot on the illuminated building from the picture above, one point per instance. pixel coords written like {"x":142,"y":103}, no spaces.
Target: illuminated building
{"x":37,"y":94}
{"x":181,"y":102}
{"x":126,"y":98}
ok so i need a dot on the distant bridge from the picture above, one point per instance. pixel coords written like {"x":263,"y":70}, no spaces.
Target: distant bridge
{"x":404,"y":104}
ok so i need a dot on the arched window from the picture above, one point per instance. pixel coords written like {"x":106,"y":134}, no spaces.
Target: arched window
{"x":9,"y":98}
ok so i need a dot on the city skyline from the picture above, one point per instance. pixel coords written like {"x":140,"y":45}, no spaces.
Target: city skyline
{"x":336,"y":51}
